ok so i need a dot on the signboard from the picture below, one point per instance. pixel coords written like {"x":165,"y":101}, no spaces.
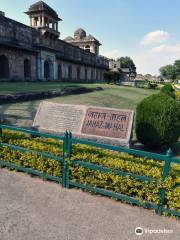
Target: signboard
{"x":105,"y":125}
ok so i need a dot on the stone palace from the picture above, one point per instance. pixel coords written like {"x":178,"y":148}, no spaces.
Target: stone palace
{"x":36,"y":52}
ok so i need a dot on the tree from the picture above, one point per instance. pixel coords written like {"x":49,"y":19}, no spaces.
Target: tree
{"x":168,"y":72}
{"x":127,"y":62}
{"x":177,"y":67}
{"x":108,"y":77}
{"x":111,"y":76}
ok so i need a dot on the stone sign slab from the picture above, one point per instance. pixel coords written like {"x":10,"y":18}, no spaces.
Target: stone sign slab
{"x":105,"y":125}
{"x":58,"y":118}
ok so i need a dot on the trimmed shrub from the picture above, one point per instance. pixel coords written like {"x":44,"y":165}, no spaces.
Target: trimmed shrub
{"x":169,"y":90}
{"x":148,"y":191}
{"x":158,"y":121}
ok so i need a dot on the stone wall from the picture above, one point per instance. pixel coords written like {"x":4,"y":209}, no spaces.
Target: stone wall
{"x":19,"y":42}
{"x":16,"y":60}
{"x":79,"y":73}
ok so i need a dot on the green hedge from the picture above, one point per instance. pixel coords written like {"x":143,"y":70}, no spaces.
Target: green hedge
{"x":126,"y":185}
{"x":158,"y":121}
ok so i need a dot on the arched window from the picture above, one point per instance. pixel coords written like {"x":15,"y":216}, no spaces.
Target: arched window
{"x":4,"y":67}
{"x":87,"y":48}
{"x":96,"y":50}
{"x":48,"y":69}
{"x":78,"y":73}
{"x":69,"y":72}
{"x":27,"y":68}
{"x":59,"y":72}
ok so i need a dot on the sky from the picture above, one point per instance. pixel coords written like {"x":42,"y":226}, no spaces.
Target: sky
{"x":148,"y":31}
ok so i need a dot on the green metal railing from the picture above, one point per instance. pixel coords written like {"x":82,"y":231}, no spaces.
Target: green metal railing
{"x":67,"y":181}
{"x":61,"y":159}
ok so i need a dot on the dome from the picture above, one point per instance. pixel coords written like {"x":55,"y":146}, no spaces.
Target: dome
{"x":80,"y":33}
{"x":41,"y":6}
{"x":90,"y":37}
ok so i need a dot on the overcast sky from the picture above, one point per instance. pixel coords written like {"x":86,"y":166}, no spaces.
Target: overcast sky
{"x":147,"y":31}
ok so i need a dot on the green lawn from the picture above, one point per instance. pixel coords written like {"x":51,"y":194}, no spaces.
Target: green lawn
{"x":17,"y":87}
{"x":22,"y":114}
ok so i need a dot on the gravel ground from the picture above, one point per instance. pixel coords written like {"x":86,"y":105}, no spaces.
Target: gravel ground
{"x":33,"y":209}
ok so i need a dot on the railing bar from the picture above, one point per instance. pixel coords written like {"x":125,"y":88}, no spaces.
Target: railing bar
{"x":171,"y":211}
{"x":155,"y":156}
{"x":29,"y":170}
{"x":46,"y":135}
{"x":22,"y":149}
{"x":120,"y":196}
{"x":114,"y":171}
{"x":175,"y":160}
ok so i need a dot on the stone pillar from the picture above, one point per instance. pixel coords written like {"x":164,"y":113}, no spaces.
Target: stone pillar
{"x":43,"y":21}
{"x":55,"y":70}
{"x":48,"y":22}
{"x":57,"y":26}
{"x":39,"y":21}
{"x":31,"y":21}
{"x":53,"y":25}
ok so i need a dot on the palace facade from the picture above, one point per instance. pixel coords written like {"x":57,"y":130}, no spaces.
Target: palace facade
{"x":36,"y":52}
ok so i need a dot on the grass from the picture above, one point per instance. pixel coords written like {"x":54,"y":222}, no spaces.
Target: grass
{"x":19,"y":87}
{"x":22,"y":114}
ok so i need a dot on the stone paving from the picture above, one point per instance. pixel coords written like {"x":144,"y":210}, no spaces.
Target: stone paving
{"x":33,"y":209}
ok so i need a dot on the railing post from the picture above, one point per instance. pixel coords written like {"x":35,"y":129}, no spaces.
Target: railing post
{"x":64,"y":167}
{"x":1,"y":131}
{"x":69,"y":152}
{"x":166,"y":170}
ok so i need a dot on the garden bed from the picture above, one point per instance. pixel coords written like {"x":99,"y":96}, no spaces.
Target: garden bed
{"x":143,"y":191}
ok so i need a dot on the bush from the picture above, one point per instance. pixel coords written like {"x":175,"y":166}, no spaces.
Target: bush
{"x":158,"y":121}
{"x":152,"y":85}
{"x":148,"y":191}
{"x":169,"y":90}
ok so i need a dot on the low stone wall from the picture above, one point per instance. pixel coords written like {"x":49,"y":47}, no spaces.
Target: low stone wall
{"x":22,"y":97}
{"x":130,"y":84}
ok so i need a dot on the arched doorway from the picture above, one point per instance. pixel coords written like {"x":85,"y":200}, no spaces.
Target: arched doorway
{"x":92,"y":74}
{"x":48,"y":69}
{"x":85,"y":74}
{"x":27,"y":68}
{"x":87,"y":48}
{"x":4,"y":67}
{"x":97,"y":76}
{"x":59,"y":72}
{"x":78,"y":73}
{"x":69,"y":73}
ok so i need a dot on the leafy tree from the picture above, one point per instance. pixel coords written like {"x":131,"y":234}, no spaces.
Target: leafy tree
{"x":127,"y":62}
{"x":177,"y":67}
{"x":168,"y":72}
{"x":110,"y":77}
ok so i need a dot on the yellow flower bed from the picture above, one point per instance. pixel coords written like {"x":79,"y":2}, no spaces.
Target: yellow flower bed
{"x":145,"y":191}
